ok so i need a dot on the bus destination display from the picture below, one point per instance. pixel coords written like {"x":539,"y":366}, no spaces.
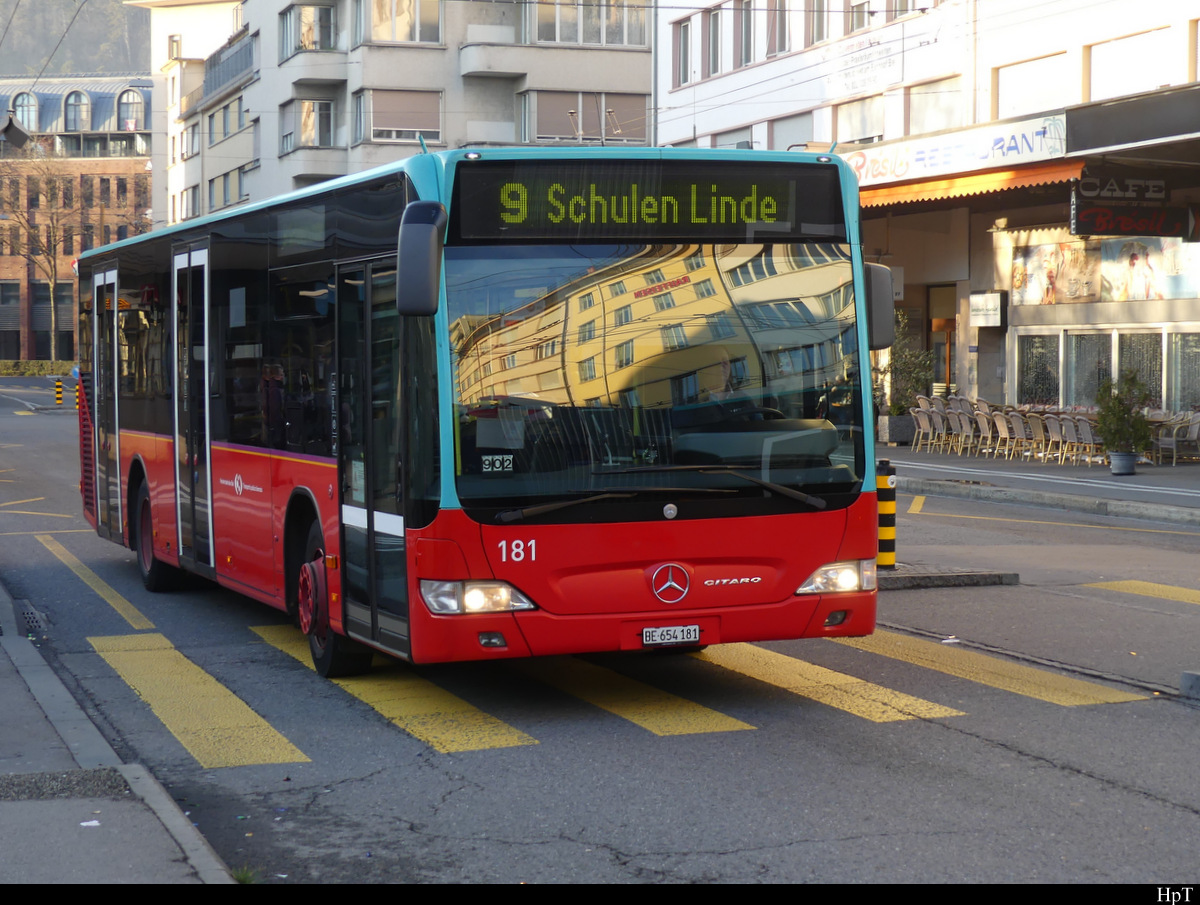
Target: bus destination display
{"x":668,"y":200}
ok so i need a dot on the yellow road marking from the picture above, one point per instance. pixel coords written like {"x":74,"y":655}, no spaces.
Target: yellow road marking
{"x":848,"y":693}
{"x":657,"y":711}
{"x":1150,"y":589}
{"x":443,"y":721}
{"x":1031,"y":521}
{"x":917,"y":505}
{"x":23,"y":413}
{"x":216,"y":726}
{"x":47,"y":533}
{"x":35,"y":499}
{"x":124,"y":608}
{"x":991,"y":671}
{"x":23,"y":512}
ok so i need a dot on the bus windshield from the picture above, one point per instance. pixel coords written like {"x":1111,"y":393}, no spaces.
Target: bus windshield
{"x":718,"y":374}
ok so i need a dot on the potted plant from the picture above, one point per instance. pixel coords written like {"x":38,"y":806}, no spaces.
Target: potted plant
{"x":909,"y":371}
{"x":1121,"y":423}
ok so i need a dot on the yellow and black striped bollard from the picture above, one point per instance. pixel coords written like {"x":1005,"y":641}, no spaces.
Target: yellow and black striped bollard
{"x":58,"y":392}
{"x":885,"y":492}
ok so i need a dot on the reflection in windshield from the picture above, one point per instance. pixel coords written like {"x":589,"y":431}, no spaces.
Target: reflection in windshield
{"x":572,"y":363}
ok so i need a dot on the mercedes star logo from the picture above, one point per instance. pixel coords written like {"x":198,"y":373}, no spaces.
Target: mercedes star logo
{"x":670,"y":582}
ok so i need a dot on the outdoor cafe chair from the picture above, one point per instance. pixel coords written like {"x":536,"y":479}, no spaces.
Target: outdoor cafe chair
{"x":1037,"y":435}
{"x":1070,"y":441}
{"x":1054,"y":440}
{"x":1019,"y":438}
{"x":941,"y":429}
{"x":1003,"y":436}
{"x":967,"y":440}
{"x":923,"y":436}
{"x":923,"y":402}
{"x":1182,"y":434}
{"x":1089,"y":446}
{"x":985,"y":443}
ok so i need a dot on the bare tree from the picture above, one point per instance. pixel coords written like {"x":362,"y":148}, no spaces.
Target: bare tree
{"x":53,"y":214}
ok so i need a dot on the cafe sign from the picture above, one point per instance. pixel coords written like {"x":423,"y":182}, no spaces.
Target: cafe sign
{"x":1092,"y":219}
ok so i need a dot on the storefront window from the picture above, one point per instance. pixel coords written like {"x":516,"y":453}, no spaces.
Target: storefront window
{"x":1142,"y":352}
{"x":1089,"y":362}
{"x":1185,"y":372}
{"x":1037,"y":374}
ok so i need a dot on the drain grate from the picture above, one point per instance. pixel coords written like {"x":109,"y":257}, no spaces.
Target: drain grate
{"x":29,"y":620}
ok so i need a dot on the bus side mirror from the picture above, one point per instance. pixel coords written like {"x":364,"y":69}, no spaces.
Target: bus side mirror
{"x":419,"y":258}
{"x":881,"y":307}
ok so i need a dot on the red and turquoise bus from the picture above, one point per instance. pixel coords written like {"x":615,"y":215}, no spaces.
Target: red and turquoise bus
{"x":502,"y":403}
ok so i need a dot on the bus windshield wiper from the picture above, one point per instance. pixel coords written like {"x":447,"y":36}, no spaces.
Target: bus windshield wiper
{"x":515,"y":515}
{"x":807,"y":498}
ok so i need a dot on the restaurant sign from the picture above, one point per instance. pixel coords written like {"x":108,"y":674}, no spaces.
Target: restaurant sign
{"x":965,"y":150}
{"x":1091,"y":219}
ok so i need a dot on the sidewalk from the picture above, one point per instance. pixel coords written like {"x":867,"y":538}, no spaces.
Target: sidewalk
{"x":70,"y":811}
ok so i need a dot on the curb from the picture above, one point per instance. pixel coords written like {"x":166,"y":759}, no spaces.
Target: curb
{"x":1153,"y":512}
{"x":90,"y":749}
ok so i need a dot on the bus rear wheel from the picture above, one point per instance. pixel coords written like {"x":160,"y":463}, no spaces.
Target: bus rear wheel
{"x":156,"y":574}
{"x":333,"y":655}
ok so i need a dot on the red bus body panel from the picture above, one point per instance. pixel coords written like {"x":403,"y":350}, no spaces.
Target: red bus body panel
{"x":593,"y":583}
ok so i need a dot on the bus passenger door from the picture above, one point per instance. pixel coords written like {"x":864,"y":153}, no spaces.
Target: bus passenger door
{"x":375,"y":577}
{"x":192,"y":463}
{"x":108,"y":437}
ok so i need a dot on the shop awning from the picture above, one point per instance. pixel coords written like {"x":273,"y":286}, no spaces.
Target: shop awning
{"x":974,"y":184}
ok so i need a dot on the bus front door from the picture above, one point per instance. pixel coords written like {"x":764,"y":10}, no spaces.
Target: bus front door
{"x":192,"y":471}
{"x":375,"y":578}
{"x":108,"y":435}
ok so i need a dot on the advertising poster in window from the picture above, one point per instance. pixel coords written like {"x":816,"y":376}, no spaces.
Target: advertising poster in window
{"x":1148,"y":268}
{"x":1056,"y":274}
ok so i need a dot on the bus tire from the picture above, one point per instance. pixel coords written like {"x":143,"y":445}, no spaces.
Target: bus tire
{"x":333,"y":655}
{"x":156,"y":574}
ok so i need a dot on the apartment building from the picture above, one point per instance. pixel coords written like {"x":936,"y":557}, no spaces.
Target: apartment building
{"x":81,"y":179}
{"x":1030,"y":170}
{"x":298,"y":93}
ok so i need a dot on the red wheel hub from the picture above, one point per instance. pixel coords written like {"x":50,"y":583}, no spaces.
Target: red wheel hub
{"x":314,"y":616}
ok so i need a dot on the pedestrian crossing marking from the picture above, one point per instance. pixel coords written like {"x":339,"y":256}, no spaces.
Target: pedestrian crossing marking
{"x":988,"y":670}
{"x":1150,"y":589}
{"x":211,"y":722}
{"x":124,"y":608}
{"x":654,"y":710}
{"x":849,"y":693}
{"x":442,"y":720}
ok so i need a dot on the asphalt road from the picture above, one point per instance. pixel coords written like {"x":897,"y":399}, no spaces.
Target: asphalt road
{"x":1006,"y":734}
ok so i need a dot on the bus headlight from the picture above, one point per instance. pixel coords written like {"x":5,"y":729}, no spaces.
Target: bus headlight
{"x":857,"y":575}
{"x":454,"y":597}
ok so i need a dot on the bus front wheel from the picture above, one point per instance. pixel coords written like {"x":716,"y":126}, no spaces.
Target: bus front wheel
{"x":156,"y":574}
{"x":333,"y":655}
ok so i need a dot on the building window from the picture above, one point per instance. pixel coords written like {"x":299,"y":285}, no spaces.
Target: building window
{"x":664,"y":301}
{"x":653,"y":277}
{"x":673,"y":338}
{"x":623,"y":354}
{"x":130,"y":111}
{"x":398,"y":116}
{"x":586,"y":301}
{"x":816,"y":26}
{"x":623,"y":315}
{"x":305,"y":28}
{"x":695,"y":260}
{"x":306,"y":124}
{"x":587,"y":369}
{"x":777,"y":27}
{"x":406,"y":21}
{"x":861,"y":121}
{"x":935,"y":106}
{"x":78,"y":110}
{"x":719,"y":326}
{"x":587,"y":332}
{"x":547,"y":349}
{"x":25,"y":105}
{"x":743,"y":32}
{"x":705,"y":289}
{"x":616,"y":22}
{"x":712,"y":43}
{"x":587,"y":116}
{"x":683,"y":52}
{"x":858,"y":15}
{"x":617,"y":288}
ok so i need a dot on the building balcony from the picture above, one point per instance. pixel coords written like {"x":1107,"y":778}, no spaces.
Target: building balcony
{"x":611,"y":68}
